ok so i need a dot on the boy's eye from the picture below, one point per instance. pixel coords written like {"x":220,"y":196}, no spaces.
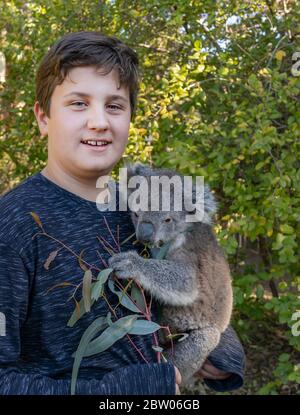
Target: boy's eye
{"x":78,"y":104}
{"x":114,"y":107}
{"x":168,"y":220}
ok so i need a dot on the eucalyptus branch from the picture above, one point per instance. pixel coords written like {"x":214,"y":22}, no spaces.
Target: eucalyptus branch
{"x":111,"y":234}
{"x":118,"y":235}
{"x":67,"y":248}
{"x":103,"y":242}
{"x":103,"y":261}
{"x":74,"y":292}
{"x":107,"y":246}
{"x":127,"y":335}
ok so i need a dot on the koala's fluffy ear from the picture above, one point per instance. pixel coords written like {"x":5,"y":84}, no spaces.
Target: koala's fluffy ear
{"x":137,"y":169}
{"x":210,"y":204}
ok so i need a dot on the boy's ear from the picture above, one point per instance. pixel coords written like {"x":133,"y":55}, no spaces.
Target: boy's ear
{"x":41,"y":118}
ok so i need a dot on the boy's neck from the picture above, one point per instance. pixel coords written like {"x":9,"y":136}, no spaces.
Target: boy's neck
{"x":82,"y":187}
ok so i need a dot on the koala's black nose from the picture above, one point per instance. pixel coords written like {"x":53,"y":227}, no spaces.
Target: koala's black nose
{"x":145,"y":232}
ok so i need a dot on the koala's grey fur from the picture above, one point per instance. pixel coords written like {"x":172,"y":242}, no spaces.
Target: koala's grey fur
{"x":192,"y":282}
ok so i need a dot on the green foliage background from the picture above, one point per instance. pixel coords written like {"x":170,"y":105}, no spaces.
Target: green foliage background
{"x":217,"y":99}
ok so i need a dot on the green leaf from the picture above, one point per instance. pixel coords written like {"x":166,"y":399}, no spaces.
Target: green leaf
{"x":108,"y":319}
{"x":197,"y":45}
{"x":87,"y":336}
{"x":104,"y":274}
{"x":123,"y":298}
{"x":260,"y":291}
{"x":279,"y":241}
{"x":286,"y":229}
{"x":182,"y":336}
{"x":137,"y":297}
{"x":75,"y":315}
{"x":158,"y":348}
{"x":97,"y":290}
{"x":86,"y":290}
{"x":284,"y":357}
{"x":111,"y":335}
{"x":282,"y":286}
{"x":98,"y":286}
{"x":269,"y":305}
{"x":141,"y":327}
{"x":160,"y":253}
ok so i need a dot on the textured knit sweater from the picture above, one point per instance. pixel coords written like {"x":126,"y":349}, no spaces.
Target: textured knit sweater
{"x":36,"y":345}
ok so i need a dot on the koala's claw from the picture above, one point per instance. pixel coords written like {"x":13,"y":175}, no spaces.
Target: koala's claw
{"x":124,"y":264}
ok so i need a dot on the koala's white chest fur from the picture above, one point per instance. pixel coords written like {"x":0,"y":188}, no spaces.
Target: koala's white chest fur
{"x":178,"y":242}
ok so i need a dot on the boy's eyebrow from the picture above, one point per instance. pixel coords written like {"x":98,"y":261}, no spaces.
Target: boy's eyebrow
{"x":84,"y":95}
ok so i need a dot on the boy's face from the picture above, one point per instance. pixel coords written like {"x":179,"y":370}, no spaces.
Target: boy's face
{"x":86,"y":106}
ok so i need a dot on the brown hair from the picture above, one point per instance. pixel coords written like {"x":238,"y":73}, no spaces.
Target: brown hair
{"x":86,"y":49}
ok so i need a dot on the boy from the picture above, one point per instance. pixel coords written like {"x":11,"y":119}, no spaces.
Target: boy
{"x":86,"y":90}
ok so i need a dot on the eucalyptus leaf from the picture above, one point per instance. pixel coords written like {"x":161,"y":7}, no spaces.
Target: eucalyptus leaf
{"x":123,"y":298}
{"x":182,"y":336}
{"x":75,"y":317}
{"x":86,"y":290}
{"x":97,"y":290}
{"x":98,"y":287}
{"x":144,"y":327}
{"x":87,"y":336}
{"x":158,"y":349}
{"x":137,"y":297}
{"x":50,"y":259}
{"x":160,"y":253}
{"x":104,"y":274}
{"x":111,"y":335}
{"x":108,"y":319}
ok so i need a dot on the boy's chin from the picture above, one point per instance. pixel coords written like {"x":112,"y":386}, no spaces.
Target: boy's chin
{"x":91,"y":170}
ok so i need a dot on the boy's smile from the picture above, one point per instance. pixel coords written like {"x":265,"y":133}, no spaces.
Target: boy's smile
{"x":88,"y":124}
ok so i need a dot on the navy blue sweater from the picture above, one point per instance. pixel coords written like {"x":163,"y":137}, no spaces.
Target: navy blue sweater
{"x":36,"y":345}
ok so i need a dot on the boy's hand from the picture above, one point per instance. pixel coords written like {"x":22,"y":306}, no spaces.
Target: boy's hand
{"x":209,"y":371}
{"x":178,"y":380}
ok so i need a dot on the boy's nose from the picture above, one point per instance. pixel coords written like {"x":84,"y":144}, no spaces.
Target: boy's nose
{"x":97,"y":119}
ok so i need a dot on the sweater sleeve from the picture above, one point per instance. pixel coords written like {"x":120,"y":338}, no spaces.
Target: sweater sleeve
{"x":228,"y":356}
{"x":142,"y":379}
{"x":145,"y":379}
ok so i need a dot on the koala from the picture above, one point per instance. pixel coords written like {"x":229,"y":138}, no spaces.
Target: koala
{"x":192,"y":281}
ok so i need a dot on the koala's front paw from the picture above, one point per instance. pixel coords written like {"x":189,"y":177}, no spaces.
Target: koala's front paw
{"x":125,"y":264}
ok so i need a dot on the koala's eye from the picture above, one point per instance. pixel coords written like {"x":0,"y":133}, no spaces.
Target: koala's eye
{"x":168,"y":220}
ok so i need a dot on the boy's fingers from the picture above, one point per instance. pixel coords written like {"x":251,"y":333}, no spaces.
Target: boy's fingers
{"x":203,"y":374}
{"x":208,"y":367}
{"x":214,"y":372}
{"x":178,"y":377}
{"x":209,"y":371}
{"x":178,"y":380}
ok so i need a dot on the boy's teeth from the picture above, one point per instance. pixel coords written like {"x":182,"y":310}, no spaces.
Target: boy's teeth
{"x":95,"y":143}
